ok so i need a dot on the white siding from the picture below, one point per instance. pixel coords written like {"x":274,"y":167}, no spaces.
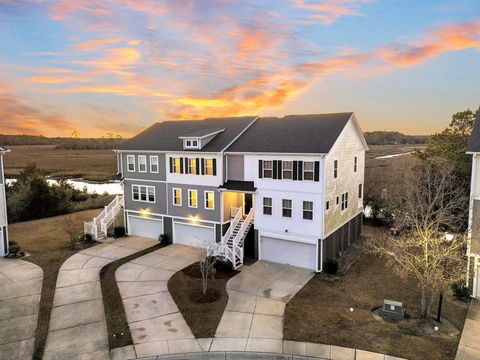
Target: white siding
{"x":203,"y":180}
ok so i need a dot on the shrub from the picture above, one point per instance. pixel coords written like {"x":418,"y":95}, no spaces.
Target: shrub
{"x":88,"y":238}
{"x":13,"y":249}
{"x":11,"y":242}
{"x":460,"y":291}
{"x":331,"y":266}
{"x":164,"y":239}
{"x":223,"y":265}
{"x":118,"y":231}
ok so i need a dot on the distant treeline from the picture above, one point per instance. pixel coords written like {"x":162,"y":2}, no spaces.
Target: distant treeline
{"x":69,"y":143}
{"x":394,"y":138}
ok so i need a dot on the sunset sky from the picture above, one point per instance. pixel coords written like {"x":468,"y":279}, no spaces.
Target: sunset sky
{"x":117,"y":66}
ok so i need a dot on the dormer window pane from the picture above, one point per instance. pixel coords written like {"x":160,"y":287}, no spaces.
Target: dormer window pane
{"x":194,"y":143}
{"x":189,"y":143}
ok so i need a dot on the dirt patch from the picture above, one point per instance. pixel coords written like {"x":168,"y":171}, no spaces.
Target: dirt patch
{"x":320,"y":313}
{"x":201,"y":313}
{"x":118,"y":330}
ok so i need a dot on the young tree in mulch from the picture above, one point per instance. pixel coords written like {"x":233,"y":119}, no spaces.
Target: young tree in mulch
{"x":424,"y":212}
{"x":206,"y":261}
{"x":70,"y":226}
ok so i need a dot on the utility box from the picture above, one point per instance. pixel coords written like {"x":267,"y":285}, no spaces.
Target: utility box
{"x":393,"y":310}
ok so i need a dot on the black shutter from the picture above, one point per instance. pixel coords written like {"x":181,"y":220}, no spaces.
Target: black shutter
{"x":181,"y":165}
{"x":202,"y":166}
{"x":186,"y":166}
{"x":275,"y":168}
{"x":295,"y":167}
{"x":260,"y":169}
{"x":280,"y":169}
{"x":197,"y":164}
{"x":317,"y":171}
{"x":171,"y":165}
{"x":214,"y":167}
{"x":300,"y":170}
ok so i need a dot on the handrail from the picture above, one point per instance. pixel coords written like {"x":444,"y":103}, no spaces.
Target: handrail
{"x":232,"y":226}
{"x":105,"y":217}
{"x":244,"y":226}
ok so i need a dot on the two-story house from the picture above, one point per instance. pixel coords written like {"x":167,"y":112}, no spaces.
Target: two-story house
{"x":3,"y":209}
{"x":297,"y":181}
{"x":473,"y":248}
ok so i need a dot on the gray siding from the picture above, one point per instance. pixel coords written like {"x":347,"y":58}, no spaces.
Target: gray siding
{"x":235,"y":167}
{"x":200,"y":211}
{"x":159,"y":207}
{"x":161,"y":176}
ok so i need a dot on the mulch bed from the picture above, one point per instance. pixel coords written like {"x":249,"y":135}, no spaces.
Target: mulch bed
{"x":117,"y":324}
{"x":202,"y":313}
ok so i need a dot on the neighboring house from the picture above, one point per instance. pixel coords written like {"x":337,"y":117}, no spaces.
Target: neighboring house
{"x":298,"y":180}
{"x":3,"y":209}
{"x":473,"y":249}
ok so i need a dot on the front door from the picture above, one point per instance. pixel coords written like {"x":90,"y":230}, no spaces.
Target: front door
{"x":247,"y":203}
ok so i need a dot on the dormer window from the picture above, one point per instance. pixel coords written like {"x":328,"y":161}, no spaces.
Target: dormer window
{"x":191,"y":144}
{"x":198,"y":139}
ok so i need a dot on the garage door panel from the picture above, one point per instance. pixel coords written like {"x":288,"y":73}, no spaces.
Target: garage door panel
{"x":145,"y":227}
{"x":288,"y":252}
{"x":192,"y":235}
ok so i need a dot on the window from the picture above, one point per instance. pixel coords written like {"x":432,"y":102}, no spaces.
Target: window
{"x":360,"y":191}
{"x":142,"y":163}
{"x":154,"y":164}
{"x":192,"y":198}
{"x":338,"y":200}
{"x":287,"y":170}
{"x":130,"y":163}
{"x":287,"y":208}
{"x":188,"y":143}
{"x":208,"y":167}
{"x":192,"y":166}
{"x":308,"y":170}
{"x":177,"y":197}
{"x":194,"y":143}
{"x":308,"y":210}
{"x":335,"y":169}
{"x":355,"y":162}
{"x":268,"y":169}
{"x":345,"y":201}
{"x":267,"y":206}
{"x":209,"y":200}
{"x":177,"y":165}
{"x":327,"y":205}
{"x":143,"y":193}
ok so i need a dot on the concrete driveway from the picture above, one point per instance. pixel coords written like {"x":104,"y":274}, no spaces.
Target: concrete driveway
{"x":20,"y":289}
{"x":253,"y":318}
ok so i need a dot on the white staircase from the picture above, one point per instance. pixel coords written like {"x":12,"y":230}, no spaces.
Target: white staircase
{"x":232,"y":243}
{"x":98,"y":227}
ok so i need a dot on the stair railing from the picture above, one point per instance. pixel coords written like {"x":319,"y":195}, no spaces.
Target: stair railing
{"x":104,"y":218}
{"x":238,"y":250}
{"x":233,"y":223}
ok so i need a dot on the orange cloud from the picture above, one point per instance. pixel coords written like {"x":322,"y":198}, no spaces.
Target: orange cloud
{"x":115,"y":59}
{"x":327,"y":11}
{"x":44,"y":79}
{"x":95,"y":44}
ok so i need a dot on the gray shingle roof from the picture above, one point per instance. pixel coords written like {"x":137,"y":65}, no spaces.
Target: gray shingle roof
{"x":314,"y":133}
{"x":164,"y":136}
{"x":474,"y":142}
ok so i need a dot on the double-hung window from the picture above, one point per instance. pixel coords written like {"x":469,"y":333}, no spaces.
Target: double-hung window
{"x":131,"y":163}
{"x":360,"y":191}
{"x":308,"y":170}
{"x":208,"y":166}
{"x":192,"y":198}
{"x":335,"y":169}
{"x":177,"y":197}
{"x":192,"y":166}
{"x":209,"y":200}
{"x":267,"y":206}
{"x":143,"y":193}
{"x":308,"y":210}
{"x":345,"y":201}
{"x":268,"y":169}
{"x":154,"y":164}
{"x":177,"y":165}
{"x":355,"y":163}
{"x":287,"y":208}
{"x":287,"y":170}
{"x":142,"y":163}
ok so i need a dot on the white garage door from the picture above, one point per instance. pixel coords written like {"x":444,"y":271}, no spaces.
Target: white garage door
{"x":288,"y":252}
{"x":145,"y":227}
{"x":192,"y":235}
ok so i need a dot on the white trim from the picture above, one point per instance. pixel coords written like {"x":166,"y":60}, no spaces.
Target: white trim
{"x":158,"y":164}
{"x":312,"y":171}
{"x":196,"y":192}
{"x":173,"y":217}
{"x":203,"y":136}
{"x":274,"y":153}
{"x":289,"y":237}
{"x":284,"y":208}
{"x":312,"y":211}
{"x":291,"y":170}
{"x":193,"y":224}
{"x":240,"y":134}
{"x":168,"y":152}
{"x":145,"y":218}
{"x":205,"y":199}
{"x":146,"y":180}
{"x":173,"y":196}
{"x":128,"y":164}
{"x":143,"y":157}
{"x":146,"y":193}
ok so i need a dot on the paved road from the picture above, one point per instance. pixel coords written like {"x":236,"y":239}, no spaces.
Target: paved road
{"x":20,"y":290}
{"x":77,"y":324}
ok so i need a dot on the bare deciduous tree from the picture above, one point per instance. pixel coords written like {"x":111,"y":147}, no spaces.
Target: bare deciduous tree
{"x":206,"y":261}
{"x":71,"y":226}
{"x":423,"y":212}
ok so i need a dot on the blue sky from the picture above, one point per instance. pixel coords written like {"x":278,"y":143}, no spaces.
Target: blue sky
{"x":117,"y":66}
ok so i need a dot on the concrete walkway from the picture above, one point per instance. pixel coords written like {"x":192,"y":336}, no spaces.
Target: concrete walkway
{"x":77,"y":328}
{"x":20,"y":291}
{"x":253,"y":317}
{"x":156,"y":324}
{"x":469,"y":347}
